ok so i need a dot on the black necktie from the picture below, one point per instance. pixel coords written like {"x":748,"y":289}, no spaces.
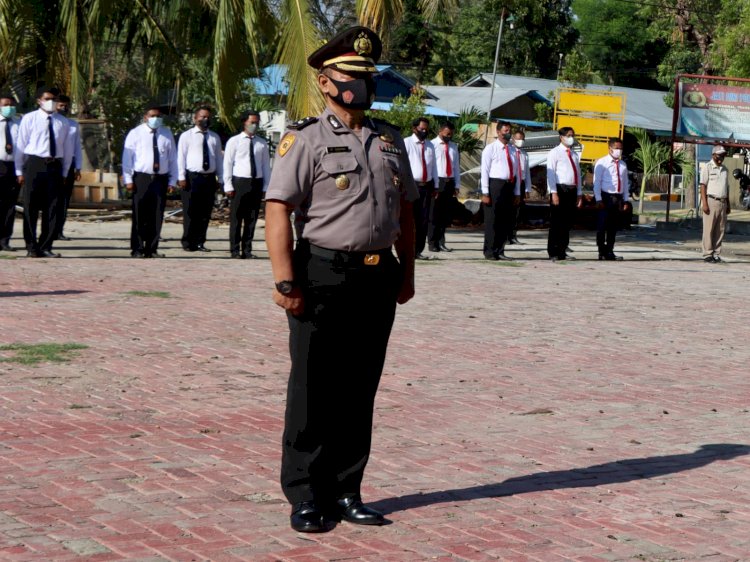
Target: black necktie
{"x":206,"y":157}
{"x":52,"y":143}
{"x":8,"y":138}
{"x":156,"y":154}
{"x":252,"y":159}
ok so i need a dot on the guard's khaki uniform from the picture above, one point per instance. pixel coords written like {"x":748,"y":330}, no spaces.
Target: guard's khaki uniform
{"x":716,"y":180}
{"x":347,"y":190}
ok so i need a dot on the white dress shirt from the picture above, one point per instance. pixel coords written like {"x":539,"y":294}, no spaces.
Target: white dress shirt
{"x":560,"y":170}
{"x":74,"y":141}
{"x":190,"y":153}
{"x":414,"y":148}
{"x":605,"y":177}
{"x":33,"y":139}
{"x":495,"y":166}
{"x":14,"y":124}
{"x":138,"y":154}
{"x":237,"y":160}
{"x":442,"y":164}
{"x":522,"y":163}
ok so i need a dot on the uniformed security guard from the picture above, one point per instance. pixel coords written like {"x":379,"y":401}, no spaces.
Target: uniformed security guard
{"x":9,"y":187}
{"x":714,"y":186}
{"x":74,"y":174}
{"x":199,"y":163}
{"x":348,"y":181}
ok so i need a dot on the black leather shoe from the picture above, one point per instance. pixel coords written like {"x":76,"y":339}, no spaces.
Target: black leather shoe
{"x":307,"y":518}
{"x":137,"y":254}
{"x":48,"y":254}
{"x":444,"y":248}
{"x":354,"y":511}
{"x":612,"y":257}
{"x":434,"y":248}
{"x":236,"y":256}
{"x":7,"y":248}
{"x":201,"y":249}
{"x":503,"y":257}
{"x":32,"y":254}
{"x":156,"y":255}
{"x":490,"y":257}
{"x":709,"y":259}
{"x":63,"y":237}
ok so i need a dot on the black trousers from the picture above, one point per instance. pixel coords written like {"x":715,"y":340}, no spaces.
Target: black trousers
{"x":561,"y":221}
{"x":64,"y":200}
{"x":149,"y":201}
{"x":197,"y":203}
{"x":608,"y":222}
{"x":337,"y":348}
{"x":245,"y":209}
{"x":421,"y":208}
{"x":517,"y":214}
{"x":499,"y":216}
{"x":441,"y":211}
{"x":42,"y":188}
{"x":9,"y":190}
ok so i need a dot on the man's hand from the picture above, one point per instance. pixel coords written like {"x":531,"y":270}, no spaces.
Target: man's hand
{"x":517,"y":200}
{"x":182,"y":184}
{"x":293,"y":302}
{"x":435,"y":194}
{"x":406,"y":292}
{"x":600,"y":205}
{"x":555,"y":199}
{"x":129,"y":186}
{"x":77,"y":175}
{"x":486,"y":200}
{"x":626,"y":206}
{"x":21,"y":181}
{"x":579,"y":202}
{"x":705,"y":208}
{"x":455,"y":193}
{"x":729,"y":209}
{"x":170,"y":189}
{"x":230,"y":194}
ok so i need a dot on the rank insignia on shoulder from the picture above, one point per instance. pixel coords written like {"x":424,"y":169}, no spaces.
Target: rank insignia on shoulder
{"x":390,"y":149}
{"x":386,"y":137}
{"x":335,"y":123}
{"x":302,"y":123}
{"x":286,"y":143}
{"x":336,"y":149}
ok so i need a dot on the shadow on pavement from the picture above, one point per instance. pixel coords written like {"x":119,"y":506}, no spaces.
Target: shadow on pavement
{"x":41,"y":293}
{"x":614,"y":472}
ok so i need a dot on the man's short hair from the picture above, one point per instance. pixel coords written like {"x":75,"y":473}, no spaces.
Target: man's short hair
{"x":520,"y":132}
{"x":613,"y":141}
{"x":247,"y":115}
{"x":7,"y":96}
{"x":418,"y":120}
{"x":564,"y":131}
{"x":501,"y":124}
{"x":152,"y":105}
{"x":41,"y":90}
{"x":447,"y":125}
{"x":62,"y":98}
{"x":203,"y":108}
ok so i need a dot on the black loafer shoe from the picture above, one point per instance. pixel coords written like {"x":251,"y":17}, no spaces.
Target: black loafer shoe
{"x":613,"y":257}
{"x":307,"y":518}
{"x":7,"y":248}
{"x":32,"y":254}
{"x":201,"y":249}
{"x":444,"y":248}
{"x":137,"y":254}
{"x":354,"y":511}
{"x":63,"y":237}
{"x":503,"y":257}
{"x":434,"y":248}
{"x":48,"y":254}
{"x":156,"y":255}
{"x":709,"y":259}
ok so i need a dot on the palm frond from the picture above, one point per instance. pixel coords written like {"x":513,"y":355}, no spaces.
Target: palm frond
{"x":380,"y":15}
{"x":298,"y":39}
{"x":230,"y":58}
{"x":431,"y":9}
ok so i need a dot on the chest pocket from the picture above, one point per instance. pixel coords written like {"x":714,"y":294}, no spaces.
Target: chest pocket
{"x":341,"y":174}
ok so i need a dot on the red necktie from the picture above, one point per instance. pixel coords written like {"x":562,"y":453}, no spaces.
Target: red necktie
{"x":619,"y":181}
{"x":448,"y":165}
{"x":424,"y":165}
{"x":510,"y":163}
{"x":575,"y":170}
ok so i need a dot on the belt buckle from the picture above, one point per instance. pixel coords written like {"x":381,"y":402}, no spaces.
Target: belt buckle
{"x":372,"y":259}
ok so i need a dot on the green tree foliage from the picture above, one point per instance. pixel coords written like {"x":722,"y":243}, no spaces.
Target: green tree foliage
{"x":412,"y":41}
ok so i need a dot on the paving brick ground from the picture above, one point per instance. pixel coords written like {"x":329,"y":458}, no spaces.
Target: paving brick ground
{"x":580,"y":411}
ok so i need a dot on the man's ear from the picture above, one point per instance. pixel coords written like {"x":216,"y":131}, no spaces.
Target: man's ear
{"x":324,"y":83}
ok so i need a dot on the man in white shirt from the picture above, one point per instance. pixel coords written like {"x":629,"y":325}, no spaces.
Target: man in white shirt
{"x":149,"y":170}
{"x":423,"y":167}
{"x":447,"y":162}
{"x":247,"y":171}
{"x":714,"y":186}
{"x":9,"y":187}
{"x":199,"y":163}
{"x":74,"y":174}
{"x":522,"y":165}
{"x":612,"y":193}
{"x":501,"y":192}
{"x":565,"y":189}
{"x":42,"y":158}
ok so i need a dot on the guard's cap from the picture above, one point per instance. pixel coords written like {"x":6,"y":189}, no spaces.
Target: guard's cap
{"x":356,"y":49}
{"x":718,"y":149}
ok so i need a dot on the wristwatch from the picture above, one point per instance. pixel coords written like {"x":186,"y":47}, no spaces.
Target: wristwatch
{"x":285,"y":287}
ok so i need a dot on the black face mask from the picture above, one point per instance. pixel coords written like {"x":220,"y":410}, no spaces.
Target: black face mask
{"x":354,"y":94}
{"x":204,"y":123}
{"x":421,"y":135}
{"x":506,"y":137}
{"x":446,"y":140}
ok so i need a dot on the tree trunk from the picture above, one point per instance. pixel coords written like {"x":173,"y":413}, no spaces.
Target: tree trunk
{"x":640,"y":197}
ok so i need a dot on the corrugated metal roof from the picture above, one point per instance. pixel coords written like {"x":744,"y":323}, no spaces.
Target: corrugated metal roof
{"x":458,"y":98}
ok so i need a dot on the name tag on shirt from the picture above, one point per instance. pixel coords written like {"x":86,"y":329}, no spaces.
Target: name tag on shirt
{"x":337,"y":149}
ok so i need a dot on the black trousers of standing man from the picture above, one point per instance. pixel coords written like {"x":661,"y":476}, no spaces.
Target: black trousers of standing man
{"x":441,"y":211}
{"x":9,"y":190}
{"x":42,"y":188}
{"x":149,"y":200}
{"x":561,"y":220}
{"x":337,"y":347}
{"x":66,"y":193}
{"x":245,"y":209}
{"x":197,"y":203}
{"x":421,"y":210}
{"x":607,"y":223}
{"x":498,"y":217}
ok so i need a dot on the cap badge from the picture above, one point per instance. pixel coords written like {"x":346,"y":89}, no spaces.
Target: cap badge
{"x":342,"y":182}
{"x":362,"y":44}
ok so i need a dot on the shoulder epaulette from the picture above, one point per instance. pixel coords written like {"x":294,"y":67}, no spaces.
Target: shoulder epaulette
{"x":384,"y":122}
{"x":302,"y":123}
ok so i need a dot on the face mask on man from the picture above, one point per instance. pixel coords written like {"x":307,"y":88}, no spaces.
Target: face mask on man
{"x":204,"y":123}
{"x":616,"y":153}
{"x":251,"y":128}
{"x":569,"y":141}
{"x":354,"y":94}
{"x":155,"y":122}
{"x":63,"y":111}
{"x":48,"y":105}
{"x":421,"y":135}
{"x":8,"y":111}
{"x":518,"y":143}
{"x":506,"y":137}
{"x":445,"y":139}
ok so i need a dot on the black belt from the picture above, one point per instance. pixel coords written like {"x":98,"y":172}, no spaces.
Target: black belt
{"x":152,"y":176}
{"x":425,"y":183}
{"x":719,"y":198}
{"x":611,"y":194}
{"x":502,"y":179}
{"x":47,"y":160}
{"x":206,"y":174}
{"x":341,"y":257}
{"x":566,"y":187}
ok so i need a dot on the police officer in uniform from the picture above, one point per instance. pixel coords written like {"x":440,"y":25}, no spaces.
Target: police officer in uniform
{"x":347,"y":179}
{"x":9,"y":187}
